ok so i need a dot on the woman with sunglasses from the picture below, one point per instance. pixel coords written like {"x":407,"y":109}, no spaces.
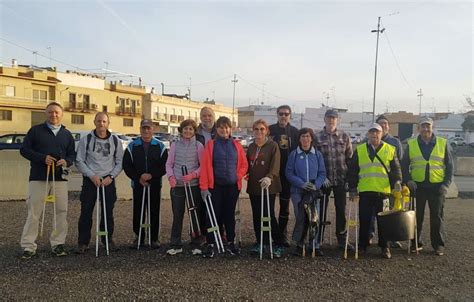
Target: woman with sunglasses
{"x":263,"y":156}
{"x":306,"y":172}
{"x":223,"y":165}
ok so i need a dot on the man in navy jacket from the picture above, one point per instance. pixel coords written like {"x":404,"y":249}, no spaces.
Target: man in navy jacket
{"x":47,"y":144}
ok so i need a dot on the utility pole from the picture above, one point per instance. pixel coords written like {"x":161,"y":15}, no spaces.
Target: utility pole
{"x":420,"y":94}
{"x":35,"y":53}
{"x":106,"y":69}
{"x":263,"y":93}
{"x":162,"y":89}
{"x":301,"y":123}
{"x":190,"y":84}
{"x":378,"y":31}
{"x":233,"y":98}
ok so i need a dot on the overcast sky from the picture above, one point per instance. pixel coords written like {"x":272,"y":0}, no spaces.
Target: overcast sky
{"x":296,"y":52}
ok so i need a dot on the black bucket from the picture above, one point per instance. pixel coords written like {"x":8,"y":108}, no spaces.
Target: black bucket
{"x":397,"y":225}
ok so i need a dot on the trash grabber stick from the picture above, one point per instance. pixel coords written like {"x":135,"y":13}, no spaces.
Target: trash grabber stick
{"x":46,"y":196}
{"x":193,"y":208}
{"x":238,"y":221}
{"x":97,"y":219}
{"x":356,"y":222}
{"x":214,"y":226}
{"x":269,"y":222}
{"x":265,"y":221}
{"x":148,"y":216}
{"x":416,"y":226}
{"x":348,"y":223}
{"x":54,"y":199}
{"x":104,"y":209}
{"x":142,"y":225}
{"x":184,"y":171}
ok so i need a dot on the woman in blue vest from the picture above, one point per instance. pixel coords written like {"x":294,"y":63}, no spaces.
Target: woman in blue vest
{"x":306,"y":173}
{"x":185,"y":153}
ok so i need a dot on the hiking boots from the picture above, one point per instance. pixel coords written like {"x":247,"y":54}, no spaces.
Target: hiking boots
{"x":59,"y":250}
{"x":232,"y":249}
{"x":28,"y":255}
{"x":209,"y":251}
{"x":82,"y":249}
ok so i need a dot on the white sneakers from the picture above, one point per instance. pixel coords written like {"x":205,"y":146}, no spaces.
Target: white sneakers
{"x":174,"y":251}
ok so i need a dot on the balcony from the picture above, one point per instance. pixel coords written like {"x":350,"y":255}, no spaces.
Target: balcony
{"x":20,"y":102}
{"x":161,"y":117}
{"x":127,"y":111}
{"x":79,"y":107}
{"x":180,"y":118}
{"x":173,"y":118}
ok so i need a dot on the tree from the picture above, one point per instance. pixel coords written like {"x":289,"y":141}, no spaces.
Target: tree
{"x":468,"y":124}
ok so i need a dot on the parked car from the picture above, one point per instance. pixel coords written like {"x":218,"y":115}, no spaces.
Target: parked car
{"x":164,"y":138}
{"x":456,"y":141}
{"x":241,"y":140}
{"x":77,"y":135}
{"x":11,"y":141}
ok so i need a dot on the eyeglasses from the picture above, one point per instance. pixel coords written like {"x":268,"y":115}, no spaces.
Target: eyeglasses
{"x":283,"y":113}
{"x":259,"y":129}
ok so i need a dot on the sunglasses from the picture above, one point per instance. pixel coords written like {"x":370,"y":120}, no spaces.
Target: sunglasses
{"x":283,"y":113}
{"x":259,"y":129}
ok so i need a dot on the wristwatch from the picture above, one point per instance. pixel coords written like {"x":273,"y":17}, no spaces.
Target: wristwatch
{"x":112,"y":177}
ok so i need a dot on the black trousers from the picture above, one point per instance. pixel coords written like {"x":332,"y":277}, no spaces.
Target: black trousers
{"x":155,"y":196}
{"x":224,"y":199}
{"x":436,"y":205}
{"x":369,"y":203}
{"x":88,"y":199}
{"x":340,"y":205}
{"x":255,"y":202}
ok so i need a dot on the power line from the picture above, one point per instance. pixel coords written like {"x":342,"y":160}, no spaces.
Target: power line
{"x":396,"y":61}
{"x":36,"y":53}
{"x":194,"y":84}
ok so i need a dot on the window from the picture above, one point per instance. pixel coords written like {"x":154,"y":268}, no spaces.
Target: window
{"x":5,"y":115}
{"x":10,"y":91}
{"x":104,"y":108}
{"x":128,"y":122}
{"x":40,"y":95}
{"x":77,"y":119}
{"x":72,"y":100}
{"x":86,"y":102}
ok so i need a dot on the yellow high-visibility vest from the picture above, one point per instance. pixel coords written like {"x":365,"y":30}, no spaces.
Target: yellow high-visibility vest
{"x":372,"y":175}
{"x":418,"y":164}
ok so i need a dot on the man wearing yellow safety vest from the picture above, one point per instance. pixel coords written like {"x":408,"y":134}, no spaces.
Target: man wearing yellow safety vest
{"x":371,"y":168}
{"x":428,"y":172}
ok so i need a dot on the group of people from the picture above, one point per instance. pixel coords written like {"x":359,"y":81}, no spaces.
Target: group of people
{"x":207,"y":165}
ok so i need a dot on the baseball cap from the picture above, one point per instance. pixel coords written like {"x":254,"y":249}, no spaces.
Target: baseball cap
{"x":331,"y":113}
{"x":146,"y":123}
{"x":426,"y":120}
{"x":375,"y":126}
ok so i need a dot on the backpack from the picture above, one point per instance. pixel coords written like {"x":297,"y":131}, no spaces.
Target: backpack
{"x":89,"y":137}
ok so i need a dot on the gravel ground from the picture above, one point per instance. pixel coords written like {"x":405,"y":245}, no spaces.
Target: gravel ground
{"x":147,"y":274}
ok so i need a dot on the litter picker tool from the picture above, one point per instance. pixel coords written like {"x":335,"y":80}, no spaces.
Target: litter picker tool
{"x":413,"y":207}
{"x":105,"y":233}
{"x":214,"y":225}
{"x":352,"y":221}
{"x":192,"y":210}
{"x":324,"y":219}
{"x":49,"y":198}
{"x":265,"y":221}
{"x":143,"y":225}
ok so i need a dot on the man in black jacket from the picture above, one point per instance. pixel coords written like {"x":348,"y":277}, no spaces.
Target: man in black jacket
{"x":47,"y":145}
{"x":144,"y":163}
{"x":286,"y":136}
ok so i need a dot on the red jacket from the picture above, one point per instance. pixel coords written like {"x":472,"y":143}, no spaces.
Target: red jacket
{"x":206,"y":178}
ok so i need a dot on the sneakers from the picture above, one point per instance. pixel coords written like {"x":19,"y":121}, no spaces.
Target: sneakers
{"x":232,"y":249}
{"x":439,"y":251}
{"x":396,"y":244}
{"x":278,"y":251}
{"x":209,"y":252}
{"x":386,"y":253}
{"x":155,"y":244}
{"x":27,"y":255}
{"x":255,"y":249}
{"x":82,"y":249}
{"x":59,"y":250}
{"x":196,"y":251}
{"x":174,"y":251}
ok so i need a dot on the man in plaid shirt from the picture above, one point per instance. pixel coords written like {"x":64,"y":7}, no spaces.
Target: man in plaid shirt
{"x":336,"y":147}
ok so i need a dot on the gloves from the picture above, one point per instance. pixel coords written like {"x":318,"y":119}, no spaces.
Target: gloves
{"x":412,"y":186}
{"x":188,"y":177}
{"x":172,"y":181}
{"x":326,"y":184}
{"x":265,"y":182}
{"x":352,"y":194}
{"x":309,"y":186}
{"x":443,"y":190}
{"x":205,"y":194}
{"x":397,"y":187}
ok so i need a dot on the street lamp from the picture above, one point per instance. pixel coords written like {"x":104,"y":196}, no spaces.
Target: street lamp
{"x":378,"y":31}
